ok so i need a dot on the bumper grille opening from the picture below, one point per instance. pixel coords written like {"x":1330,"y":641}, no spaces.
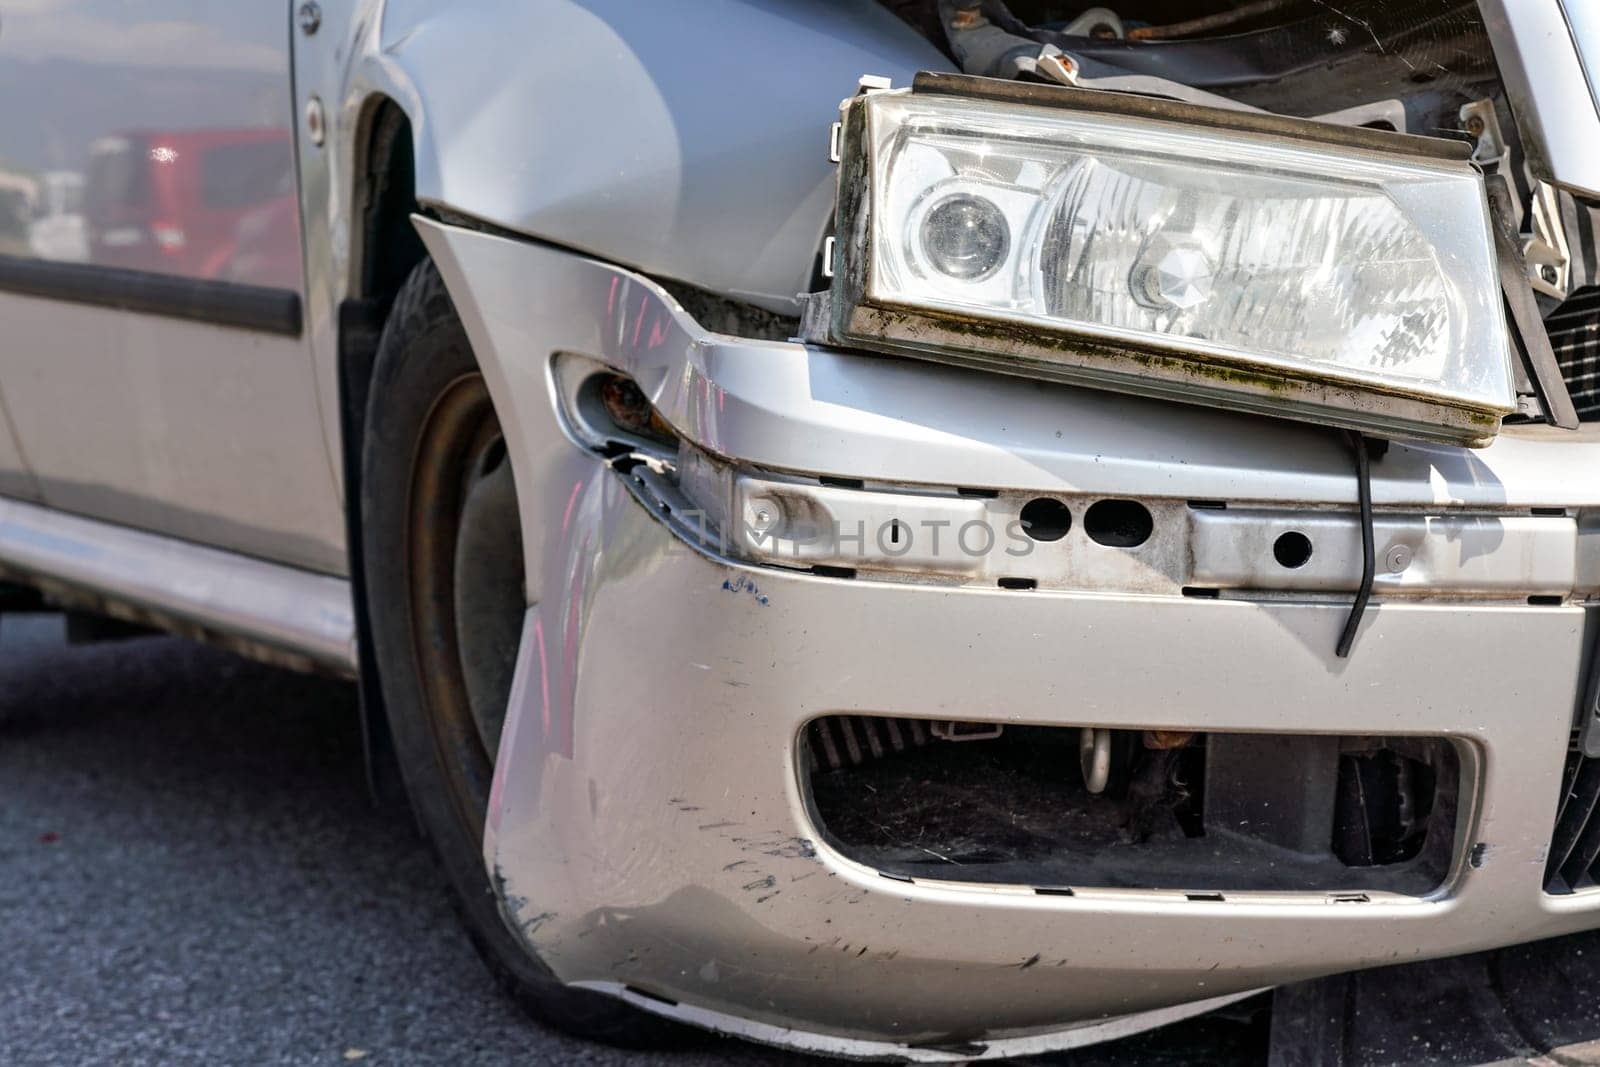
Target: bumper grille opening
{"x":1574,"y":328}
{"x":1056,"y":808}
{"x":1574,"y":859}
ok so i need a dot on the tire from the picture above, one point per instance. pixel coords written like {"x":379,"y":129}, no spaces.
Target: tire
{"x":435,"y":479}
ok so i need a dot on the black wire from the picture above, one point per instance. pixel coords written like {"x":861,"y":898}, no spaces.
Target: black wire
{"x":1369,"y":560}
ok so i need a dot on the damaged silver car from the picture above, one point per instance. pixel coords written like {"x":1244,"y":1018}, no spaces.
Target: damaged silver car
{"x":915,"y":529}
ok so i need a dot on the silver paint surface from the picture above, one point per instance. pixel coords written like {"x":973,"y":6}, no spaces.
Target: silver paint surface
{"x":1549,"y":56}
{"x":702,"y":878}
{"x":591,"y":124}
{"x":195,"y":431}
{"x":173,"y":121}
{"x":687,"y":138}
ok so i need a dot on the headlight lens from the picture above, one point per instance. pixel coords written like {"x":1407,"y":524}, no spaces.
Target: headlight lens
{"x":965,"y":236}
{"x":1294,"y":267}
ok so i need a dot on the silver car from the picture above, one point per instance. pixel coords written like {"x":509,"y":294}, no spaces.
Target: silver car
{"x":914,"y":529}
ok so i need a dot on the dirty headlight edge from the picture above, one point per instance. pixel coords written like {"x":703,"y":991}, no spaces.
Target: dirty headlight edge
{"x":1353,"y":286}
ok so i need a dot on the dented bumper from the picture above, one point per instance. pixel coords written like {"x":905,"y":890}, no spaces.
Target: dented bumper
{"x":649,"y":824}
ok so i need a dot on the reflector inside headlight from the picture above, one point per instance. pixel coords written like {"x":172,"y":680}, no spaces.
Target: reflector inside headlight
{"x":1355,"y":285}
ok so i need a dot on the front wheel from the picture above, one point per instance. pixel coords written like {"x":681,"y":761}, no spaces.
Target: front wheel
{"x":442,"y":545}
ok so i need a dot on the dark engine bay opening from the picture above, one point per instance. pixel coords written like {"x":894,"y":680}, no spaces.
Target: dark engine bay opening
{"x":1058,"y":808}
{"x":1424,"y":67}
{"x":1293,"y":57}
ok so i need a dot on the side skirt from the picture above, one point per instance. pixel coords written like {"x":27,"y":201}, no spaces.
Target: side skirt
{"x":283,"y":615}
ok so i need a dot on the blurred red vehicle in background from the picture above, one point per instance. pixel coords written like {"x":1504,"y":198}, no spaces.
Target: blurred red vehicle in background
{"x":194,"y":202}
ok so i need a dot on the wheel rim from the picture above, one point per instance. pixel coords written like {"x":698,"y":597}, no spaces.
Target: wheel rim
{"x":464,"y":555}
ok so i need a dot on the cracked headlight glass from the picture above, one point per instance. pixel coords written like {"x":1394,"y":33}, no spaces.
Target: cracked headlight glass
{"x":1236,"y":261}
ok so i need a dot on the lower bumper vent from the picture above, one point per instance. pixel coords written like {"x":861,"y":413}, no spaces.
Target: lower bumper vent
{"x":1060,"y":808}
{"x":1574,"y":860}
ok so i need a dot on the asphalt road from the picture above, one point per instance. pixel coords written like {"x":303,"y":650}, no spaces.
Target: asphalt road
{"x":190,"y":872}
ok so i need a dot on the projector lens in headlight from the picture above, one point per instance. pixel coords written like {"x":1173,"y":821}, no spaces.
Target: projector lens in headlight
{"x":965,"y":236}
{"x":1352,"y":283}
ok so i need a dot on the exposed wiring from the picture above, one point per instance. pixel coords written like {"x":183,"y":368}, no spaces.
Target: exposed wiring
{"x":1369,"y":558}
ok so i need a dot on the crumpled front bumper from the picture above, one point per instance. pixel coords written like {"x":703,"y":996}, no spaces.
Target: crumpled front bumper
{"x":648,"y":826}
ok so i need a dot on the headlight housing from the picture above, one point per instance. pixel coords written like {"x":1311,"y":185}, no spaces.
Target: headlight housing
{"x":1256,"y":262}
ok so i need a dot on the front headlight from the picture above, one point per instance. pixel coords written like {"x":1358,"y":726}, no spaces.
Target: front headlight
{"x":1352,"y":283}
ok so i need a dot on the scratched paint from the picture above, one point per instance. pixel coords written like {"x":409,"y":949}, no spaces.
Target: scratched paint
{"x":741,"y":583}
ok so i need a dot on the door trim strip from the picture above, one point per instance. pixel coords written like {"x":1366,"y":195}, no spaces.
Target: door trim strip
{"x":232,"y":304}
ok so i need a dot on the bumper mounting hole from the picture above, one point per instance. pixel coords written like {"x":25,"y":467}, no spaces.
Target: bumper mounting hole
{"x":1118,"y":523}
{"x":1044,"y":519}
{"x":1292,"y":549}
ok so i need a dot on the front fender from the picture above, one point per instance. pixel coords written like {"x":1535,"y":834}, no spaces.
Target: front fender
{"x":683,"y":138}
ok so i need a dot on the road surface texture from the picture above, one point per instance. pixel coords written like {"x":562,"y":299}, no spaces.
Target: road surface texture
{"x":190,"y":872}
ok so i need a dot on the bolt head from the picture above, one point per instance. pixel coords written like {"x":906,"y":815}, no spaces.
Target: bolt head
{"x":1398,"y":558}
{"x":1549,"y":273}
{"x":310,"y":17}
{"x":761,"y":515}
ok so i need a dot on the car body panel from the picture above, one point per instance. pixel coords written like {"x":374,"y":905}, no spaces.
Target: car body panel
{"x":197,"y":431}
{"x":648,"y":831}
{"x":1549,"y":56}
{"x":707,"y":163}
{"x":185,"y":202}
{"x":177,"y":117}
{"x":685,"y":139}
{"x":702,"y":882}
{"x":16,"y":479}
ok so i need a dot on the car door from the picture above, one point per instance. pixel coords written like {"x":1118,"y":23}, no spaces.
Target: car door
{"x":154,"y":360}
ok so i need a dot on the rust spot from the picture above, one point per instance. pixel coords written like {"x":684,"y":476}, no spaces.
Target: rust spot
{"x":630,"y":409}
